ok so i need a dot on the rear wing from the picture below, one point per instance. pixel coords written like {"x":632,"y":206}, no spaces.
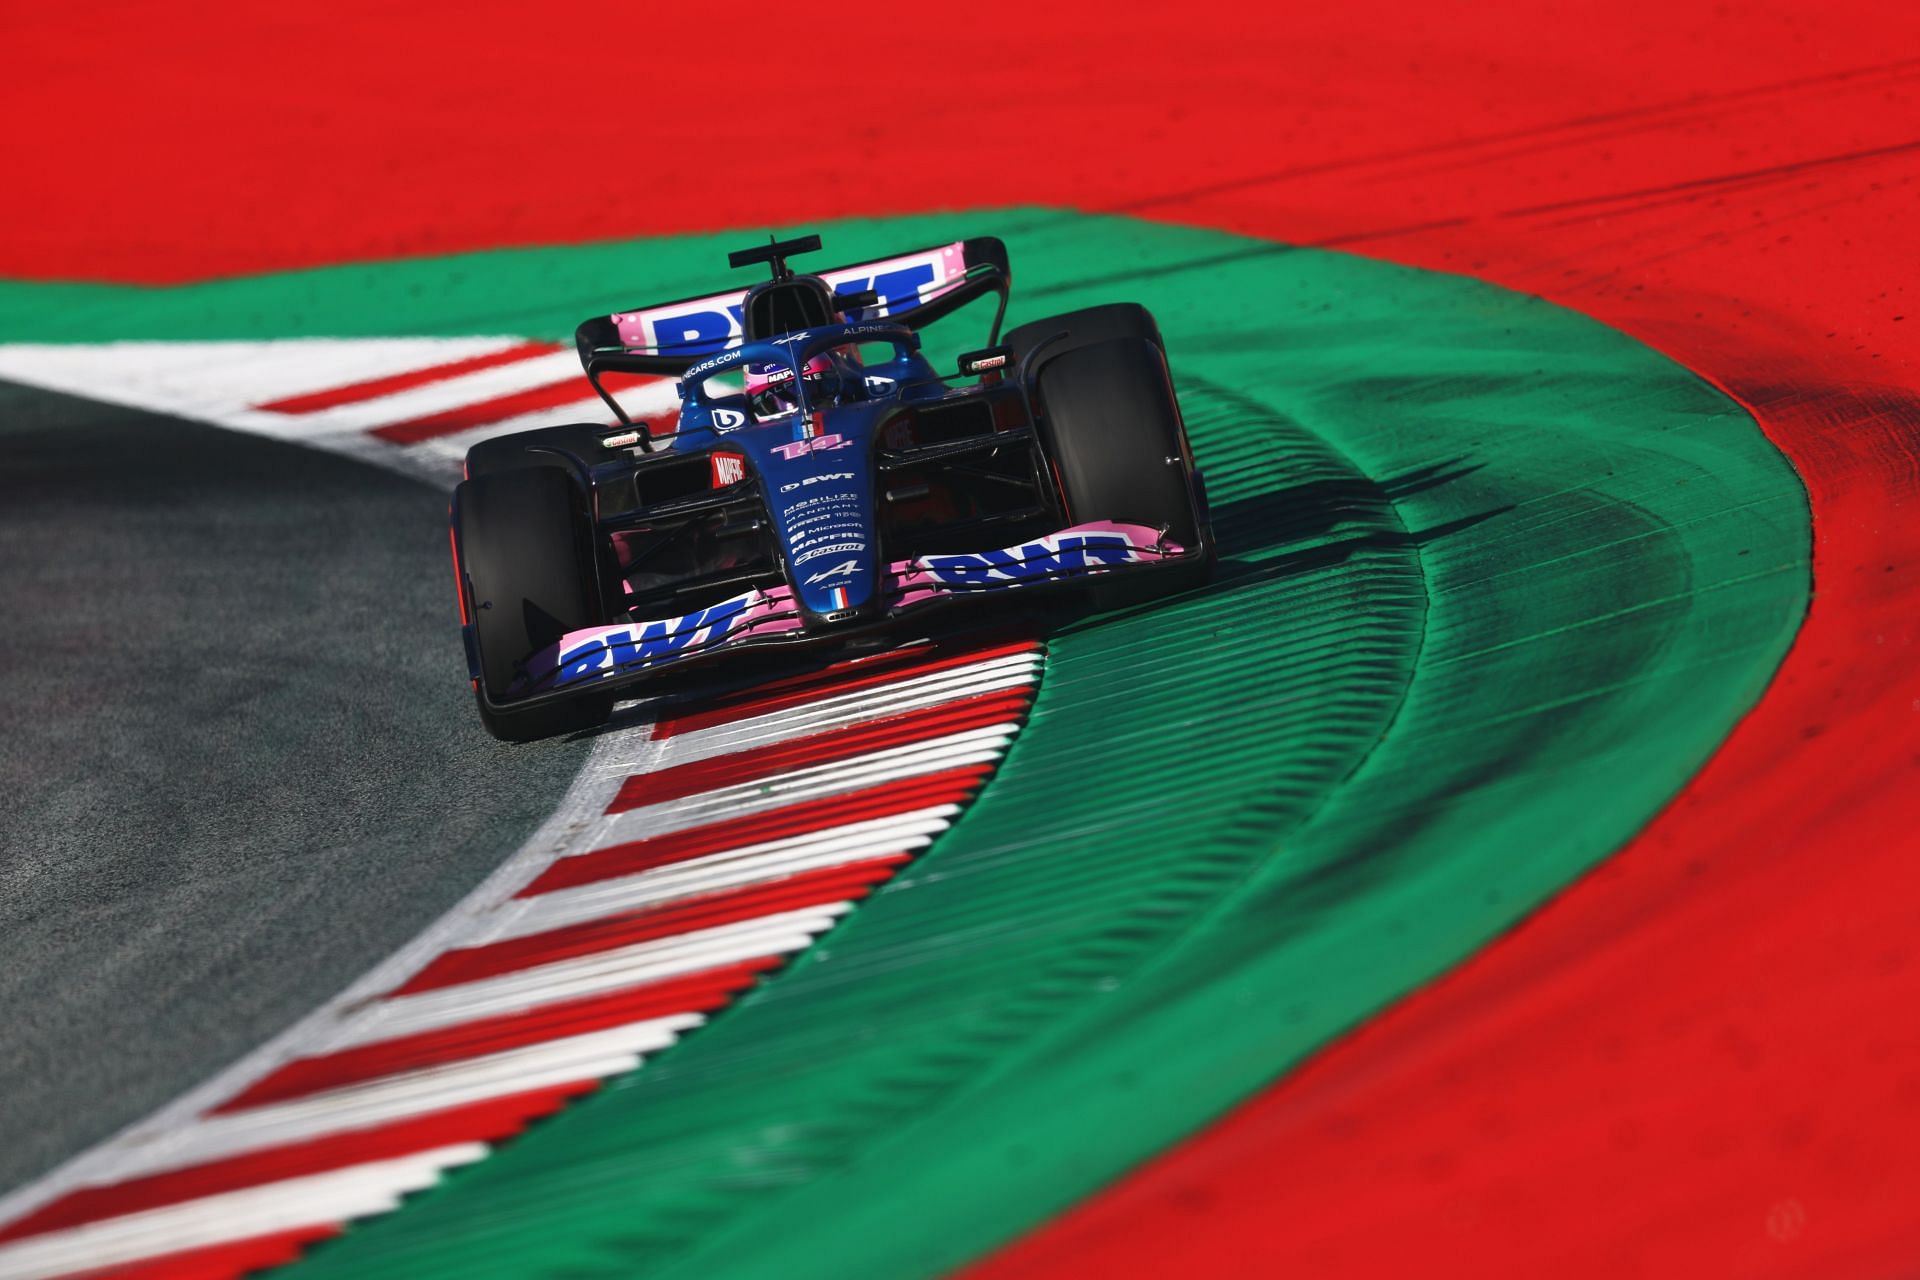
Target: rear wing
{"x":913,"y":289}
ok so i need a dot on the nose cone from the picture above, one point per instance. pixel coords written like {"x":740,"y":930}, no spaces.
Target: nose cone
{"x":820,"y":491}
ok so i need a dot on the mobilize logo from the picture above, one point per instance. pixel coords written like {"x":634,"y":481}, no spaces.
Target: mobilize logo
{"x":845,"y":569}
{"x":823,"y":476}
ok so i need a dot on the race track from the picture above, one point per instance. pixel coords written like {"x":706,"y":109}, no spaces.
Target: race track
{"x":1504,"y":867}
{"x":1419,"y":631}
{"x":242,"y":747}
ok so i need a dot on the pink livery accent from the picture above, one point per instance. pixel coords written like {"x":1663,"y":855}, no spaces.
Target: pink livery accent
{"x":626,"y":647}
{"x":713,"y":322}
{"x":1077,"y":552}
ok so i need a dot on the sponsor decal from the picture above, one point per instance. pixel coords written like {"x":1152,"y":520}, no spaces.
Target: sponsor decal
{"x":622,"y":440}
{"x":845,"y":569}
{"x":814,"y":444}
{"x":898,"y":434}
{"x":728,"y":468}
{"x":1048,"y":557}
{"x":879,"y":385}
{"x":706,"y":325}
{"x":728,"y":419}
{"x":650,"y":642}
{"x":864,"y":330}
{"x":831,"y":549}
{"x":707,"y":366}
{"x":823,"y":476}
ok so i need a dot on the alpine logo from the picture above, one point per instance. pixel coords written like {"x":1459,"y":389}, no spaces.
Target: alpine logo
{"x":845,"y":569}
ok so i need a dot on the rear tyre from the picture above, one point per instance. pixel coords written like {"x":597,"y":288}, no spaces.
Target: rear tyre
{"x":536,"y":448}
{"x":530,"y":581}
{"x":1113,"y":428}
{"x":1057,"y":335}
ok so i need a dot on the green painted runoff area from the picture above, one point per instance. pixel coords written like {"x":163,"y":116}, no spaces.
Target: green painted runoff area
{"x":1495,"y":581}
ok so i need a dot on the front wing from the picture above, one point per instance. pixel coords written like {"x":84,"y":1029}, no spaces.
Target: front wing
{"x":615,"y":653}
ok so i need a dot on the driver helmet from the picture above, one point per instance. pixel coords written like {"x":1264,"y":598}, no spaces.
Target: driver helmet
{"x":770,"y":389}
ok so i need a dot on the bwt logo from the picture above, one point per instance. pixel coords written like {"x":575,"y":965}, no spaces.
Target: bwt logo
{"x":711,"y":329}
{"x":653,"y":642}
{"x":1047,"y":558}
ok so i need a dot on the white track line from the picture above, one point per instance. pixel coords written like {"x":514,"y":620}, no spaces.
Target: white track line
{"x":711,"y":873}
{"x":323,"y":1198}
{"x":449,"y":393}
{"x":848,"y":710}
{"x":593,"y":974}
{"x":774,"y":791}
{"x":414,"y":1093}
{"x":221,"y":382}
{"x":640,"y":402}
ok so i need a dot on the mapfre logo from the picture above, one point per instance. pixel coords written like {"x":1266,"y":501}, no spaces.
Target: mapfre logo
{"x":728,"y":468}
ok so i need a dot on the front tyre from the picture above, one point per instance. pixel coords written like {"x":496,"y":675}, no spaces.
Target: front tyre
{"x":528,"y":572}
{"x":1072,"y":330}
{"x":1113,"y":429}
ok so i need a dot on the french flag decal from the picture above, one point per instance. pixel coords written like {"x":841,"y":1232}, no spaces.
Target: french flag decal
{"x":839,"y":597}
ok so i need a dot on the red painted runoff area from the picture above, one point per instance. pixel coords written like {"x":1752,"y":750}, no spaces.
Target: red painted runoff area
{"x":1699,"y":1060}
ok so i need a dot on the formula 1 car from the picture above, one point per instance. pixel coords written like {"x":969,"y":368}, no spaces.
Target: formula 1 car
{"x":820,"y":481}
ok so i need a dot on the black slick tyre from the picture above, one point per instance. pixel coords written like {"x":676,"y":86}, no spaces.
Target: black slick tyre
{"x":1069,"y":331}
{"x":540,"y":447}
{"x":1112,"y":427}
{"x":530,"y":581}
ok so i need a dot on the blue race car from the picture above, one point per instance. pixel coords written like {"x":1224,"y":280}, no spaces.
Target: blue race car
{"x":820,"y":481}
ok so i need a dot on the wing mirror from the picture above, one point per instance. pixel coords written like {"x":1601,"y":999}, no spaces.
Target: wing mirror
{"x":985,"y":360}
{"x":852,"y":304}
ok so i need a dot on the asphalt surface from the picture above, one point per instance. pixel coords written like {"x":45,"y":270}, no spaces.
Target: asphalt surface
{"x":239,"y":764}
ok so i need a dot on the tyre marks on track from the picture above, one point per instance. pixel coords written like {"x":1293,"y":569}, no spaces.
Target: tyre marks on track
{"x":691,"y":859}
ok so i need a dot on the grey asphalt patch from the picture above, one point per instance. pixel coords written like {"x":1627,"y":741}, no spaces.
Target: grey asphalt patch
{"x":239,"y":762}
